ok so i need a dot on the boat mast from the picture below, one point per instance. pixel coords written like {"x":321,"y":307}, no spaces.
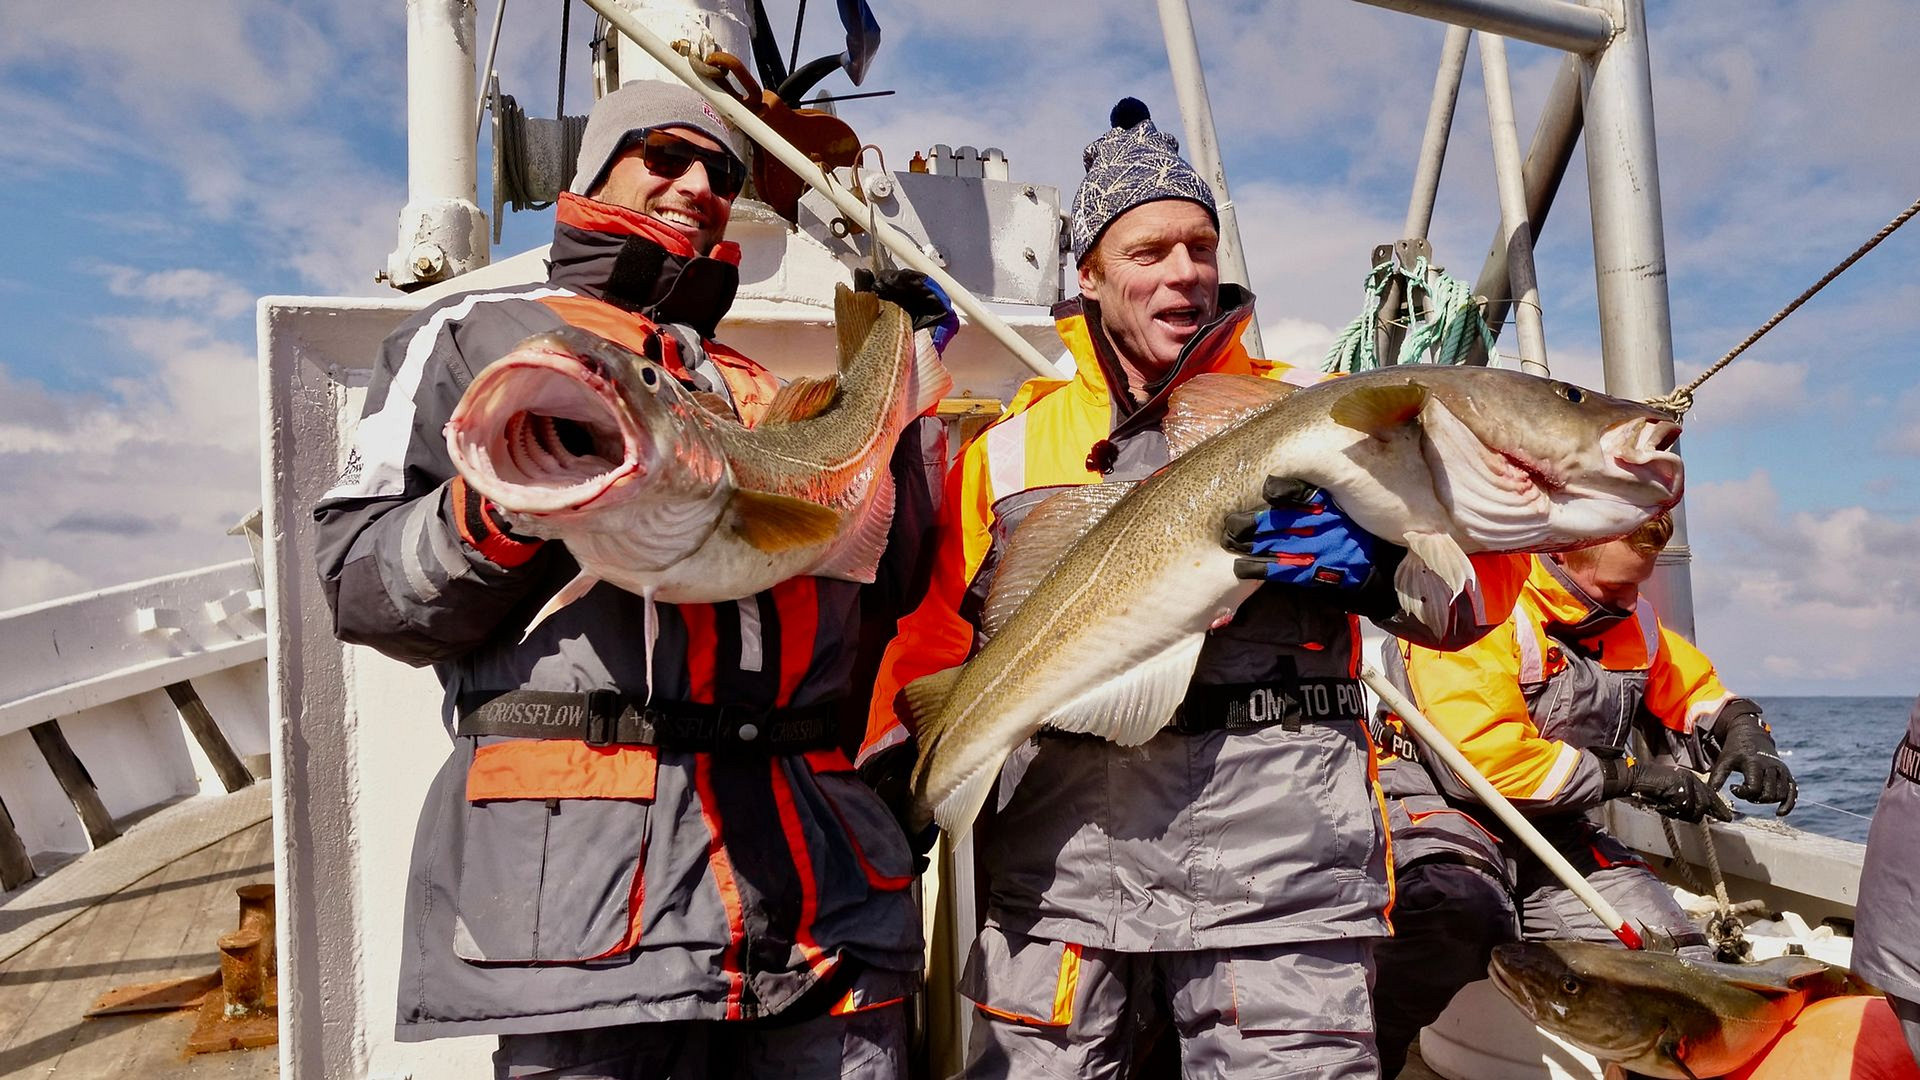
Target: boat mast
{"x":1607,"y":43}
{"x":442,"y":230}
{"x":1203,"y":145}
{"x":1630,"y":254}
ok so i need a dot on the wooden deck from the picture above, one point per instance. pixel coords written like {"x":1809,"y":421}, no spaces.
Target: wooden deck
{"x":163,"y":926}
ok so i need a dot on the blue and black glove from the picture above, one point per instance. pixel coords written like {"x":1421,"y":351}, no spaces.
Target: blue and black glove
{"x":1746,"y":746}
{"x":1302,"y":538}
{"x":924,"y":301}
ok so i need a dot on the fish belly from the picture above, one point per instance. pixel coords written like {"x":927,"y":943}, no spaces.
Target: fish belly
{"x":1103,"y":634}
{"x":722,"y":569}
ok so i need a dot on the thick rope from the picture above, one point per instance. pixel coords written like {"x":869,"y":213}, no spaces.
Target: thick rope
{"x":1442,"y":331}
{"x":1681,"y":400}
{"x":1724,"y":929}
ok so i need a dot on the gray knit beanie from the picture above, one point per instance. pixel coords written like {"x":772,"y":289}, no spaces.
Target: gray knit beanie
{"x":1131,"y":164}
{"x":647,"y":103}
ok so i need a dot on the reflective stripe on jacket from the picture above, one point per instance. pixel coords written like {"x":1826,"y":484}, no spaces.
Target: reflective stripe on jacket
{"x":557,"y":885}
{"x":1528,"y":703}
{"x":1189,"y":841}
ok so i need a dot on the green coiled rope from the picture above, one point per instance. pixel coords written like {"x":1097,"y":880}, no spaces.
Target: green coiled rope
{"x":1441,"y":331}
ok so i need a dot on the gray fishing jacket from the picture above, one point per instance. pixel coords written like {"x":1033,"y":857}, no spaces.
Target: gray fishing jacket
{"x":1251,"y":836}
{"x":1886,"y":941}
{"x":556,"y":885}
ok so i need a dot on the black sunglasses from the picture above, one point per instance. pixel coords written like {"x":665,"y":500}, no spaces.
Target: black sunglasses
{"x":668,"y":156}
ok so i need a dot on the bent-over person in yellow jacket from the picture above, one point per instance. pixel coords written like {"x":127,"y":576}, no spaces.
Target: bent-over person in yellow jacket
{"x":1544,"y":707}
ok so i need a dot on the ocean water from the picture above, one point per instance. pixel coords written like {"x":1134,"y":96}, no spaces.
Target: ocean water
{"x":1839,"y":749}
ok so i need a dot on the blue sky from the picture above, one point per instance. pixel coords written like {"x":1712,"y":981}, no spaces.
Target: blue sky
{"x":167,"y":162}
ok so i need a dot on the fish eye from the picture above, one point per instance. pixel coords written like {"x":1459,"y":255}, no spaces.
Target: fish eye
{"x":1569,"y":984}
{"x":1570,"y":392}
{"x":649,"y":377}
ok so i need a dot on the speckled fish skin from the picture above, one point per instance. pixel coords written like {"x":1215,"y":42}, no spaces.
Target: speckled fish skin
{"x":1491,"y":460}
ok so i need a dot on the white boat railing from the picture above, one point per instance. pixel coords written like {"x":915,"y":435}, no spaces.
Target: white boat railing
{"x":116,"y":702}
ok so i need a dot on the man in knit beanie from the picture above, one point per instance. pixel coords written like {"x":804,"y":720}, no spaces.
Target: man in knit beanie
{"x":1149,"y":309}
{"x":1225,"y":879}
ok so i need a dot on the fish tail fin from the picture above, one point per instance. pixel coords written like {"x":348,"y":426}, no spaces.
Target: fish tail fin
{"x":854,"y":314}
{"x":931,"y":380}
{"x":923,"y":703}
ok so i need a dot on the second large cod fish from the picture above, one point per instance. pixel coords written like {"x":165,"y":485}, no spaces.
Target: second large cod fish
{"x":1655,"y":1013}
{"x":1103,"y":638}
{"x":580,"y":439}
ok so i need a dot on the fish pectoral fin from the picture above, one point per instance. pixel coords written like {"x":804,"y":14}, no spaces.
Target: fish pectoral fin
{"x":1133,"y":707}
{"x":1038,"y":543}
{"x":573,"y":590}
{"x":774,"y":523}
{"x":1674,"y":1048}
{"x":1434,"y":573}
{"x":1376,"y":409}
{"x":1206,"y":405}
{"x":856,"y":555}
{"x":802,"y":399}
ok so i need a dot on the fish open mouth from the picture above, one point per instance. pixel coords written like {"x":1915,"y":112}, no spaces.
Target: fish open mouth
{"x":544,"y":432}
{"x":1643,"y":448}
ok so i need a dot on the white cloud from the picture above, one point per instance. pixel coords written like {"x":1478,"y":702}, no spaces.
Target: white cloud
{"x":1747,"y":389}
{"x":28,"y":580}
{"x":203,"y":291}
{"x":104,"y":489}
{"x":1299,"y":342}
{"x":1802,"y":602}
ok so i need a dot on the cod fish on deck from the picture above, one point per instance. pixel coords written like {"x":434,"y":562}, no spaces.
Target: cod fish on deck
{"x":1099,"y":609}
{"x":1656,"y":1014}
{"x":668,"y":496}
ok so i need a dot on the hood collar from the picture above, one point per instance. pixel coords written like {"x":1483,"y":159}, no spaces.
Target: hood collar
{"x":635,"y":262}
{"x":1098,"y":365}
{"x":1570,"y":612}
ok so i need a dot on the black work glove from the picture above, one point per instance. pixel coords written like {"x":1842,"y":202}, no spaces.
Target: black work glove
{"x":890,"y":774}
{"x":1747,"y":746}
{"x":920,"y":296}
{"x":1673,"y":791}
{"x":1302,"y":538}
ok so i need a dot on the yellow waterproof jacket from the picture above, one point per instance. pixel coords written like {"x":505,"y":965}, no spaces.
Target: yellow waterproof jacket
{"x":1529,"y":703}
{"x":1042,"y":440}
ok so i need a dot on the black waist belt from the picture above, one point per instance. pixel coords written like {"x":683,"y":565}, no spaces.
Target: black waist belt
{"x":1906,"y":761}
{"x":608,"y":717}
{"x":1289,"y":703}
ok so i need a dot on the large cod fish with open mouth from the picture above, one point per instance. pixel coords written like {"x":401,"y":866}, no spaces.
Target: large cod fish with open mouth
{"x":1106,"y":592}
{"x":668,"y":496}
{"x":1655,"y":1013}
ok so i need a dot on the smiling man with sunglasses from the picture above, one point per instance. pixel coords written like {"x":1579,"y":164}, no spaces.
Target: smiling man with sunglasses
{"x":679,"y":176}
{"x":725,"y":896}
